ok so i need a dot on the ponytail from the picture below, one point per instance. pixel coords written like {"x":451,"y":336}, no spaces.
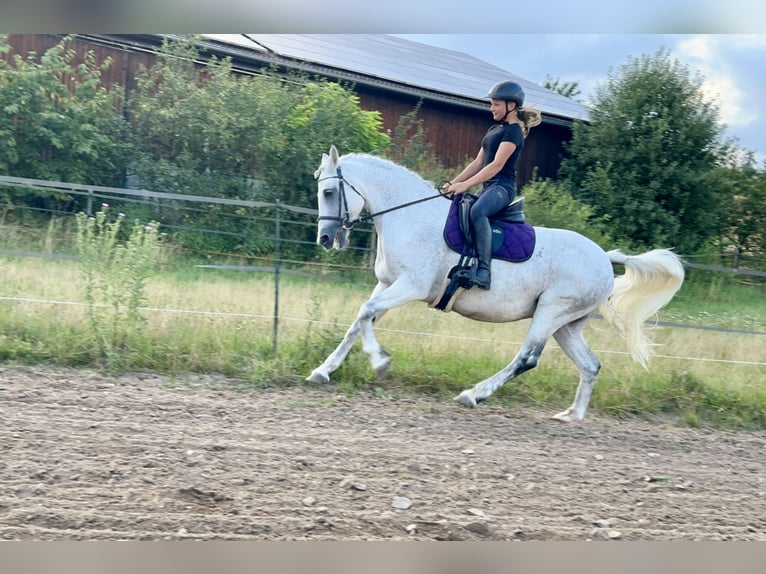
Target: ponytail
{"x":528,"y":118}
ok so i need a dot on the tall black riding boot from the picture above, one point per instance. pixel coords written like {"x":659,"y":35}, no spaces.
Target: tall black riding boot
{"x":482,"y":232}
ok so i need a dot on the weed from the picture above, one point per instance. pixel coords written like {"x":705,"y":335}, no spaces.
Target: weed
{"x":114,"y":275}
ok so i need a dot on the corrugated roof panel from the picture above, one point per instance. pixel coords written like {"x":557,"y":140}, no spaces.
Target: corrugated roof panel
{"x":394,"y":59}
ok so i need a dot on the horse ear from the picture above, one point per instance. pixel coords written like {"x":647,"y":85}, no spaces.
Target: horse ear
{"x":334,"y":154}
{"x":322,"y":165}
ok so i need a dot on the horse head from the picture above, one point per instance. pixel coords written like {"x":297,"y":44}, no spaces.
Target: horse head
{"x":338,"y":202}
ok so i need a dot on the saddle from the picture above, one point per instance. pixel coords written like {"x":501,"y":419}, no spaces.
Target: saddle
{"x":513,"y":239}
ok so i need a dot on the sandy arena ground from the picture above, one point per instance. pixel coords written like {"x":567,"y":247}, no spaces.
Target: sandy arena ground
{"x":87,"y":457}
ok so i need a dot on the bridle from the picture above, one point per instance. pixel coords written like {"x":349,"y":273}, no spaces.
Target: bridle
{"x":345,"y":219}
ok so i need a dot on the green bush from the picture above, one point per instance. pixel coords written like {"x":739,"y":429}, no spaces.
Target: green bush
{"x":550,"y":204}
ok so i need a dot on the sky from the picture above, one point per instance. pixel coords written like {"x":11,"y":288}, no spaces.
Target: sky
{"x":732,"y":66}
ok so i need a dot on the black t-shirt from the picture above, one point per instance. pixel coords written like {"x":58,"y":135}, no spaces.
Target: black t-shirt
{"x":503,"y":133}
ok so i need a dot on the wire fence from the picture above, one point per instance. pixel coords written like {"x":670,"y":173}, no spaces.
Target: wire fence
{"x":257,"y":212}
{"x":262,"y":223}
{"x":415,"y":334}
{"x":251,"y":230}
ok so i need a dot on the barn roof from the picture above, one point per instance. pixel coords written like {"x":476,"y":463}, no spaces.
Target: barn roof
{"x":395,"y":64}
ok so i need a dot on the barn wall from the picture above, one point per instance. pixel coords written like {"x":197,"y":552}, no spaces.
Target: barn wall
{"x":454,"y":132}
{"x":125,"y":62}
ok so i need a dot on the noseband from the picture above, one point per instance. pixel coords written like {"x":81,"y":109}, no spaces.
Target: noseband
{"x":345,"y":221}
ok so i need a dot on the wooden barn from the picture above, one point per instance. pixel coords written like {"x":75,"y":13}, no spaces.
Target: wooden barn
{"x":389,"y":74}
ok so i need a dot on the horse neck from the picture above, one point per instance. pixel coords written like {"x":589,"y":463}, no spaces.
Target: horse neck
{"x":386,"y":186}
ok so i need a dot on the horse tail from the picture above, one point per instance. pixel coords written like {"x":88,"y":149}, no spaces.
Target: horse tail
{"x":650,"y":281}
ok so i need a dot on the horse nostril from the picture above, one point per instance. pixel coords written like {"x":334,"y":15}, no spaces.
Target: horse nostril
{"x":325,"y":241}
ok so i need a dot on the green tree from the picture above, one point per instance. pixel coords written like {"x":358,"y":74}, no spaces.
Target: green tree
{"x":409,"y":143}
{"x":743,"y":230}
{"x":56,"y":121}
{"x":326,"y":113}
{"x":568,"y":89}
{"x":410,"y":148}
{"x":191,"y":129}
{"x":206,"y":130}
{"x":647,"y":156}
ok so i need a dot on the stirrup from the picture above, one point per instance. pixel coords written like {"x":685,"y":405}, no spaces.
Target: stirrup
{"x":465,"y":276}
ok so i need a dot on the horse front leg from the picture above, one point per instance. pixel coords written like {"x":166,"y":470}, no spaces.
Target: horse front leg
{"x":382,"y":299}
{"x":377,"y":355}
{"x":322,"y":373}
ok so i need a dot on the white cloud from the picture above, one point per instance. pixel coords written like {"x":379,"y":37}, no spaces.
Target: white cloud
{"x":707,"y":54}
{"x":748,"y":41}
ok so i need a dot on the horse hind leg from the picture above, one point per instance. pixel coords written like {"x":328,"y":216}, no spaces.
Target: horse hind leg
{"x":550,"y":315}
{"x":550,"y":319}
{"x":526,"y":359}
{"x":571,"y":341}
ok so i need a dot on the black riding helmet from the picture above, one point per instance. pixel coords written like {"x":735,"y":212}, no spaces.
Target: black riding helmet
{"x":508,"y":91}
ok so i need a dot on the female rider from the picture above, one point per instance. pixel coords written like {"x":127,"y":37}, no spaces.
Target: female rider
{"x":495,"y":168}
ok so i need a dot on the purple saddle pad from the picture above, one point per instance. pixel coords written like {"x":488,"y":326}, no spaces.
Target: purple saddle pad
{"x":510,"y":241}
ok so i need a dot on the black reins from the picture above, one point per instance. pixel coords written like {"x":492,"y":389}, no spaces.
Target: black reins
{"x":346,"y":221}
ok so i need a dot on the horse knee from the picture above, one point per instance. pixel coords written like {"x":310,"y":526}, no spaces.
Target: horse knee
{"x":366,"y":313}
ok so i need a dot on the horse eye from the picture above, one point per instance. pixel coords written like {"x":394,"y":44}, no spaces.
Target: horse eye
{"x":328,"y":192}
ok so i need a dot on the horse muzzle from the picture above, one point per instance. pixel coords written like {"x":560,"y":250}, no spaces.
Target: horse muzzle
{"x":329,"y":240}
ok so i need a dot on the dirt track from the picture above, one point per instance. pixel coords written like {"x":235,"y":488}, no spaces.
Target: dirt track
{"x":84,"y":456}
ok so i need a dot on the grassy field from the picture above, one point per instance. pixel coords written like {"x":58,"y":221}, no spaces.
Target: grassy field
{"x":214,"y":321}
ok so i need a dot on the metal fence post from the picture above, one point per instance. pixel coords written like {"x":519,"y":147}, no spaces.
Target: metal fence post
{"x":277,"y":255}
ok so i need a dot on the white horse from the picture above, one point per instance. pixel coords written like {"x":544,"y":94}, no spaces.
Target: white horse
{"x":558,"y":287}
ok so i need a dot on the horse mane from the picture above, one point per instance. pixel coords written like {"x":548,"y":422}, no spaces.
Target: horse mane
{"x":381,"y":162}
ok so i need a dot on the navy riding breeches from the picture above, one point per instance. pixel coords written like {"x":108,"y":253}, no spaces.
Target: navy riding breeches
{"x":490,"y":200}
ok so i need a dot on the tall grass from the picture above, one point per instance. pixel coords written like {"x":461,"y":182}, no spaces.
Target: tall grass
{"x":201,"y":320}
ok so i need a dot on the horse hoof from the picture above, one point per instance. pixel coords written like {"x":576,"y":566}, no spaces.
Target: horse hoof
{"x":565,"y":416}
{"x":380,"y":363}
{"x":381,"y":370}
{"x":466,"y":399}
{"x":318,"y":377}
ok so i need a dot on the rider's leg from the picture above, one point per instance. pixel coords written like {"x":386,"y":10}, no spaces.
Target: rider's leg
{"x":482,"y":236}
{"x":491,"y":200}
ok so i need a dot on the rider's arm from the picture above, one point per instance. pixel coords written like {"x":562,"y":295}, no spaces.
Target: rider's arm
{"x":461,"y":184}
